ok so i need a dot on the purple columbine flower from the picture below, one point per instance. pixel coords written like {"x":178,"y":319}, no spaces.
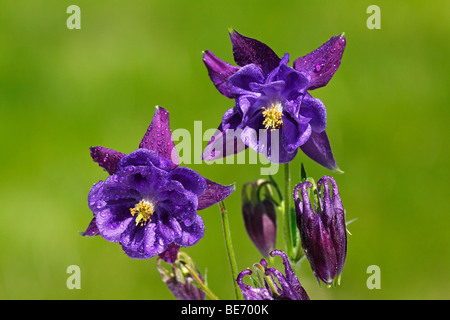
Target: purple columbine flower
{"x":322,"y":229}
{"x":288,"y":287}
{"x":273,"y":113}
{"x":149,"y":204}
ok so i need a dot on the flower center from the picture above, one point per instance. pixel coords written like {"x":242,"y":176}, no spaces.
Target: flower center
{"x":272,"y":116}
{"x":143,"y":211}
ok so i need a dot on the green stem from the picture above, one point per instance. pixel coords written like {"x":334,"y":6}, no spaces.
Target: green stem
{"x":229,"y":246}
{"x":287,"y":211}
{"x":201,"y":284}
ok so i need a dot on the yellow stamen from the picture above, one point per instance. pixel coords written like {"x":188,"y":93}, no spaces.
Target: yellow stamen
{"x":273,"y":117}
{"x":144,"y":211}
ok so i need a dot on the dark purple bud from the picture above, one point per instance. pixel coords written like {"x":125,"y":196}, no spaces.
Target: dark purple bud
{"x":260,"y":216}
{"x":322,"y":228}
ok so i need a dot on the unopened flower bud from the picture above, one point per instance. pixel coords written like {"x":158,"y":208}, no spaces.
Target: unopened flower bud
{"x":322,"y":228}
{"x":260,"y":216}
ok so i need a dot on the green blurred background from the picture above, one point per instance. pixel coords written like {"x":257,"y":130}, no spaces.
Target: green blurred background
{"x":62,"y":91}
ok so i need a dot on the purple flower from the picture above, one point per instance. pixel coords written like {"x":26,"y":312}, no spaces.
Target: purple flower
{"x":259,"y":215}
{"x":273,"y":113}
{"x":288,"y":287}
{"x":322,"y":229}
{"x":149,"y":204}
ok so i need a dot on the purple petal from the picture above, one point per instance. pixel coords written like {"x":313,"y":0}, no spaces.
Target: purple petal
{"x":146,"y":158}
{"x":294,"y":133}
{"x":318,"y":149}
{"x":191,"y":180}
{"x":291,"y":278}
{"x":247,"y":51}
{"x":141,"y":242}
{"x":113,"y":221}
{"x":322,"y":63}
{"x":214,"y":193}
{"x":91,"y":230}
{"x":223,"y":143}
{"x":287,"y":292}
{"x":232,"y":118}
{"x":274,"y":73}
{"x":249,"y":292}
{"x":94,"y":198}
{"x":269,"y":89}
{"x":240,"y":82}
{"x":191,"y":234}
{"x":324,"y":254}
{"x":219,"y":71}
{"x":176,"y":200}
{"x":334,"y":212}
{"x":316,"y":240}
{"x":315,"y":110}
{"x":159,"y":138}
{"x":280,"y":145}
{"x":106,"y":158}
{"x":296,"y":82}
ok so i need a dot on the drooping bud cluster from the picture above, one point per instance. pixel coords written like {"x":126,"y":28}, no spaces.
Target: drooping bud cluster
{"x":180,"y":279}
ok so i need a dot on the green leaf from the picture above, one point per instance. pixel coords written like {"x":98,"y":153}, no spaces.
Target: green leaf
{"x":303,"y":175}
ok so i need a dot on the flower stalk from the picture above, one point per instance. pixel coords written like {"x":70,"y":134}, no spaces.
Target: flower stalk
{"x":200,"y":283}
{"x":229,"y":246}
{"x":287,"y":212}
